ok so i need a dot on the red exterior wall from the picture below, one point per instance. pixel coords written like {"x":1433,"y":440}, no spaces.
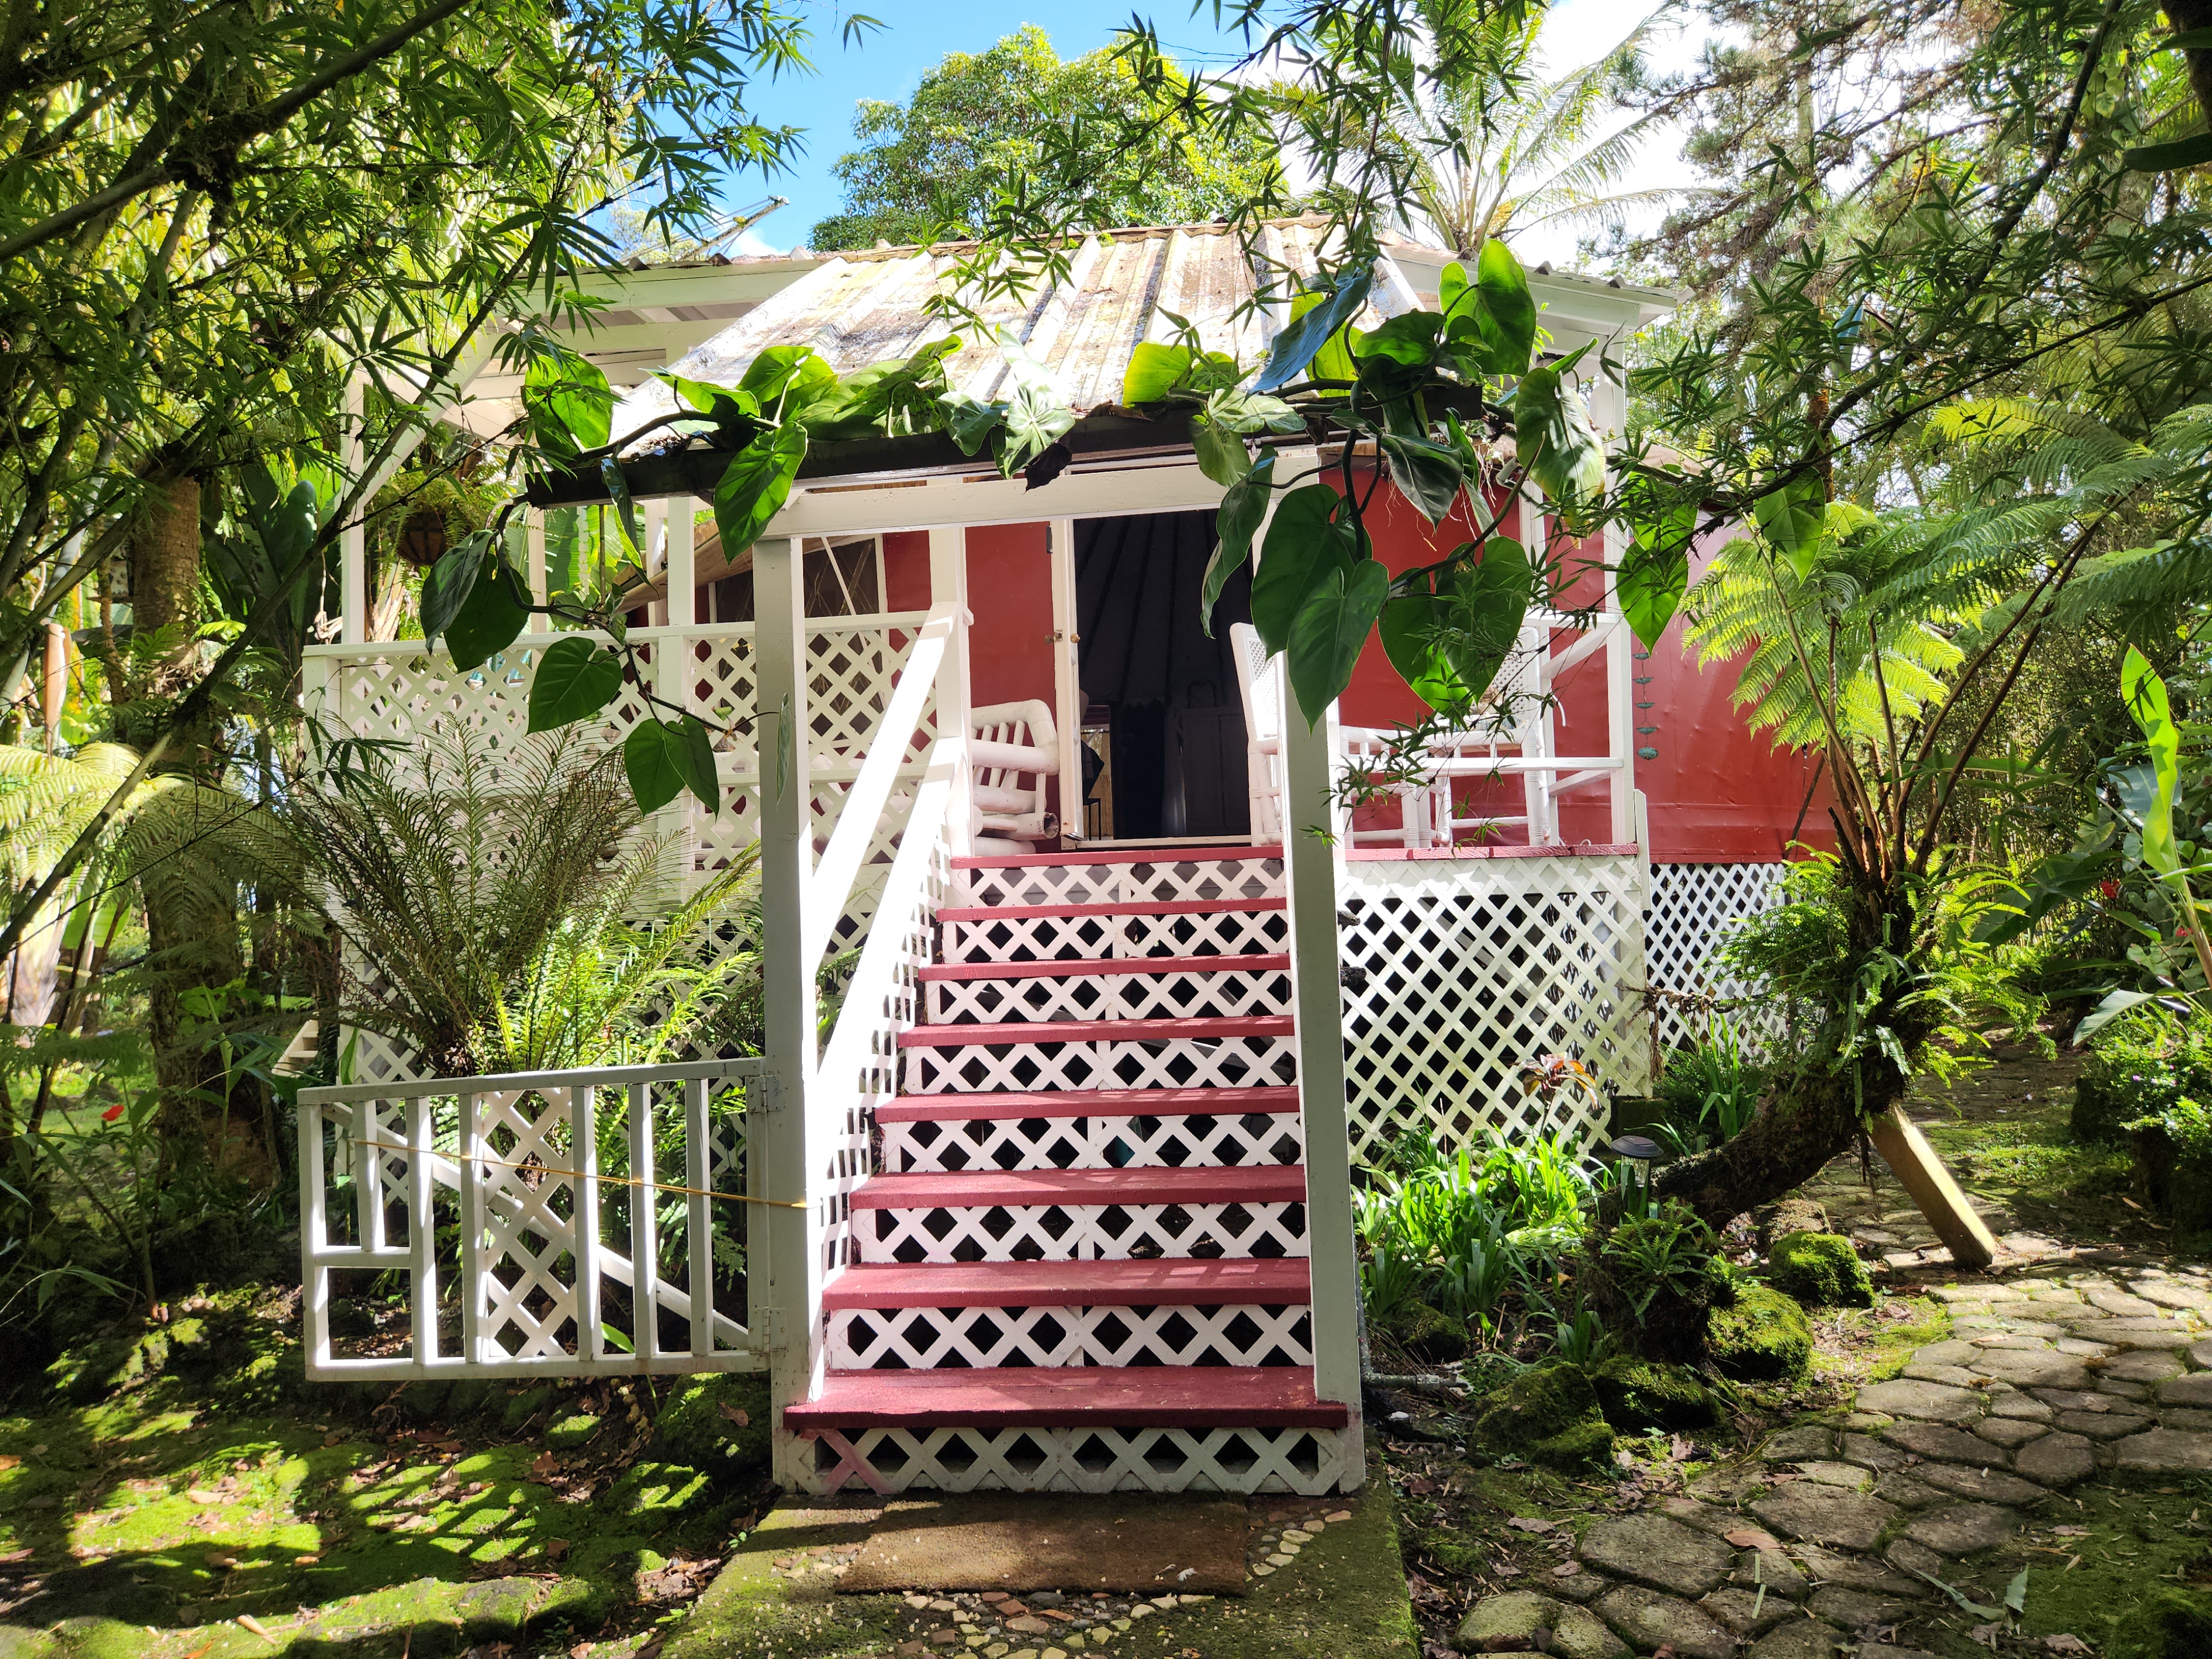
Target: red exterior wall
{"x":906,"y":570}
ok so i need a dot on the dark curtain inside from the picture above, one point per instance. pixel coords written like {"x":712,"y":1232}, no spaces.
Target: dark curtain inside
{"x":1178,"y":720}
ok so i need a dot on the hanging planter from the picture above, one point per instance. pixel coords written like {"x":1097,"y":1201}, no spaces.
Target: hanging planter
{"x":423,"y":537}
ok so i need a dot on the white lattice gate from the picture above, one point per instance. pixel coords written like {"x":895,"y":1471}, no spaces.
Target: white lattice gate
{"x":1458,"y":972}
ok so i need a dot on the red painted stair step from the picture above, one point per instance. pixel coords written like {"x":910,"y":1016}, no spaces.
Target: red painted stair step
{"x":1151,"y":858}
{"x":968,"y":1189}
{"x":1099,"y":967}
{"x":1138,"y":907}
{"x":1134,"y":1396}
{"x":1271,"y":1281}
{"x":1096,"y":1030}
{"x":1087,"y":1103}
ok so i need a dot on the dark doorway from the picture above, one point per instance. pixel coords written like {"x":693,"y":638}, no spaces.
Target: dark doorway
{"x":1169,"y":692}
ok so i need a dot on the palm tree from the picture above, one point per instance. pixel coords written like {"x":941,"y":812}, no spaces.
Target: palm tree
{"x":1485,"y":146}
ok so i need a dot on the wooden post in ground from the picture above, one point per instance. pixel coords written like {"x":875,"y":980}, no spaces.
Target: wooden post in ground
{"x":1938,"y":1197}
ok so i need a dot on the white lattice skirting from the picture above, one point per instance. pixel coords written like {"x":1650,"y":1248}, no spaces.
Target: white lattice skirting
{"x":1459,"y":972}
{"x":1694,"y":906}
{"x":1308,"y":1461}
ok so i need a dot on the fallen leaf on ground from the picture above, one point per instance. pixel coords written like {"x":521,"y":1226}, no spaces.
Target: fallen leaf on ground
{"x":1753,"y":1538}
{"x":201,"y":1495}
{"x":1531,"y":1524}
{"x":2071,"y":1532}
{"x":2065,"y":1645}
{"x":736,"y":1414}
{"x":556,"y":1548}
{"x":1986,"y":1635}
{"x":546,"y":1464}
{"x":223,"y":1562}
{"x":248,"y":1621}
{"x":198,"y":1651}
{"x":1566,"y":1569}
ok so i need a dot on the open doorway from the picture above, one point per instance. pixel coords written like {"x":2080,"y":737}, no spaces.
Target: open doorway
{"x":1163,"y":721}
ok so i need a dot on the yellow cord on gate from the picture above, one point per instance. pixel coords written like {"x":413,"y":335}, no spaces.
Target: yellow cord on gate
{"x":578,"y":1174}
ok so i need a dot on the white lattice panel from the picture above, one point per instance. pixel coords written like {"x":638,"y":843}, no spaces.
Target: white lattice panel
{"x":930,"y":1339}
{"x":1179,"y":995}
{"x":1308,"y":1461}
{"x":1693,"y":908}
{"x":1083,"y":1233}
{"x":1177,"y":1140}
{"x":1072,"y":938}
{"x":1459,"y":972}
{"x":1228,"y":1062}
{"x":1125,"y":883}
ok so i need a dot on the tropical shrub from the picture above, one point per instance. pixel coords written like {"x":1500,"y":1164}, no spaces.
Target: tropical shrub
{"x":1654,"y":1276}
{"x":1710,"y":1092}
{"x":2141,"y":1065}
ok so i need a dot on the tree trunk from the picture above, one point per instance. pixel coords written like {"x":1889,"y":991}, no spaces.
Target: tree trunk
{"x":1809,"y":1119}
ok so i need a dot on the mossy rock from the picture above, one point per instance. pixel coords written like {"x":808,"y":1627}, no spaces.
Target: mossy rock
{"x":1790,"y":1215}
{"x":1763,"y":1338}
{"x":2166,"y":1624}
{"x":1820,"y":1270}
{"x":719,"y":1423}
{"x":573,"y":1432}
{"x":1636,"y":1395}
{"x":525,"y":1403}
{"x":1547,"y":1415}
{"x":1429,"y":1333}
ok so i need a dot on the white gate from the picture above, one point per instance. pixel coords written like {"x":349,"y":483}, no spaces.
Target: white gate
{"x":572,"y":1223}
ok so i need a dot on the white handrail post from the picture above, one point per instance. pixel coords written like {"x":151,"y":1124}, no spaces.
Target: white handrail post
{"x":533,"y":555}
{"x":1066,"y":673}
{"x":644,"y":1226}
{"x":1609,"y":410}
{"x":466,"y":1156}
{"x":788,"y":1140}
{"x":584,"y":1219}
{"x":314,"y":1226}
{"x":683,"y":571}
{"x":353,"y":538}
{"x":948,"y":587}
{"x":422,"y":1231}
{"x":698,"y":1224}
{"x":1314,"y":836}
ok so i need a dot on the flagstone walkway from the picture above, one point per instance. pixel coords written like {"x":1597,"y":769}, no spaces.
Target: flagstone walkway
{"x":1830,"y":1539}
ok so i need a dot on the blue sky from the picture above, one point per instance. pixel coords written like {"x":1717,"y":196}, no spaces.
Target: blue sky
{"x":888,"y":64}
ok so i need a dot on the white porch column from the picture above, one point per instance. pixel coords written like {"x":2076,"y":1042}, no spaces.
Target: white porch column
{"x":683,"y":579}
{"x":786,"y":1135}
{"x":653,"y":560}
{"x":353,"y":539}
{"x":948,"y":585}
{"x":533,"y":555}
{"x":1609,"y":413}
{"x":1066,"y":677}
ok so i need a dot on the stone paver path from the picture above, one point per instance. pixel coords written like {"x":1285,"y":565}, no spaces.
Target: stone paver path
{"x":1823,"y":1541}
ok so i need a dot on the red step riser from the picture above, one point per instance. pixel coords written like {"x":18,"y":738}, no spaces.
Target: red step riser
{"x":1088,"y":1103}
{"x":1241,"y":1281}
{"x":1137,"y":1396}
{"x":1110,"y":967}
{"x":1038,"y":1032}
{"x":1152,"y":1184}
{"x":972,"y":913}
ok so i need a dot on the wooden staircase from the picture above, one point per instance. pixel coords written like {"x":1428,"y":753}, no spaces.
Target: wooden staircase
{"x":1082,"y":1254}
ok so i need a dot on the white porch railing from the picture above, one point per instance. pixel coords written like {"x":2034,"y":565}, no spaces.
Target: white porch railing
{"x":556,"y":1184}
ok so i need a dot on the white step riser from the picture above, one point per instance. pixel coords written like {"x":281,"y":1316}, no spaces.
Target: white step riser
{"x":1311,"y":1462}
{"x":1183,"y":1139}
{"x":1123,"y":883}
{"x":1079,"y":1232}
{"x":926,"y":1339}
{"x":1232,"y":1062}
{"x":1109,"y":996}
{"x":1077,"y":939}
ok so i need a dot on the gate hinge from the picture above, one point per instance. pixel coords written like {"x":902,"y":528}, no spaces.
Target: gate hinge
{"x":764,"y":1092}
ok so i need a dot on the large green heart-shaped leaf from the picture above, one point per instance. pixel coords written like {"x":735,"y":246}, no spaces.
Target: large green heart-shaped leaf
{"x":448,"y":583}
{"x":1311,"y":328}
{"x":575,"y":678}
{"x":786,"y":370}
{"x":1410,"y":337}
{"x":1330,"y":629}
{"x":1221,"y":453}
{"x":569,"y":401}
{"x":1242,"y":508}
{"x":1303,"y":546}
{"x":1557,"y":445}
{"x":1507,"y":319}
{"x":662,"y":758}
{"x":1036,"y":419}
{"x":495,"y":611}
{"x":1791,"y":519}
{"x":756,"y":484}
{"x":1155,"y":369}
{"x":1427,"y":474}
{"x":1411,"y":626}
{"x":1656,"y":571}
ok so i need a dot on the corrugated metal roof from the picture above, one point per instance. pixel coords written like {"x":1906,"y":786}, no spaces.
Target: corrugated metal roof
{"x":856,"y":309}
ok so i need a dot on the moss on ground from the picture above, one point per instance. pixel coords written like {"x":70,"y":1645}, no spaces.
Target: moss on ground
{"x":1549,"y":1415}
{"x":1763,"y":1338}
{"x":1820,"y":1270}
{"x":210,"y":1482}
{"x":1637,"y":1394}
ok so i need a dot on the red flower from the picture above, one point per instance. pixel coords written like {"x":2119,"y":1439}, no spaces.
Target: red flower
{"x":2110,"y":889}
{"x":112,"y":1113}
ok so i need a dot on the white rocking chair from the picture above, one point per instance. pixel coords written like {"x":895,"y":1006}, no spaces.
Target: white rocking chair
{"x":1009,"y":742}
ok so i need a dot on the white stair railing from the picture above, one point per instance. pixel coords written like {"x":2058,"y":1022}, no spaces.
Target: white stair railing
{"x":553,"y":1182}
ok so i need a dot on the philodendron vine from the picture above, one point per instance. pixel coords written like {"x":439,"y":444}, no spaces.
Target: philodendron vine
{"x":1432,"y":392}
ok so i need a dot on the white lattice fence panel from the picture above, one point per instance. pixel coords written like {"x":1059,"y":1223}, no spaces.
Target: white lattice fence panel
{"x":1197,"y":932}
{"x":1460,"y":972}
{"x":1228,"y":1062}
{"x":1178,"y":995}
{"x":929,"y":1339}
{"x":1308,"y":1461}
{"x":1693,"y":908}
{"x":1083,"y":1233}
{"x":1205,"y":880}
{"x":1226,"y":1140}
